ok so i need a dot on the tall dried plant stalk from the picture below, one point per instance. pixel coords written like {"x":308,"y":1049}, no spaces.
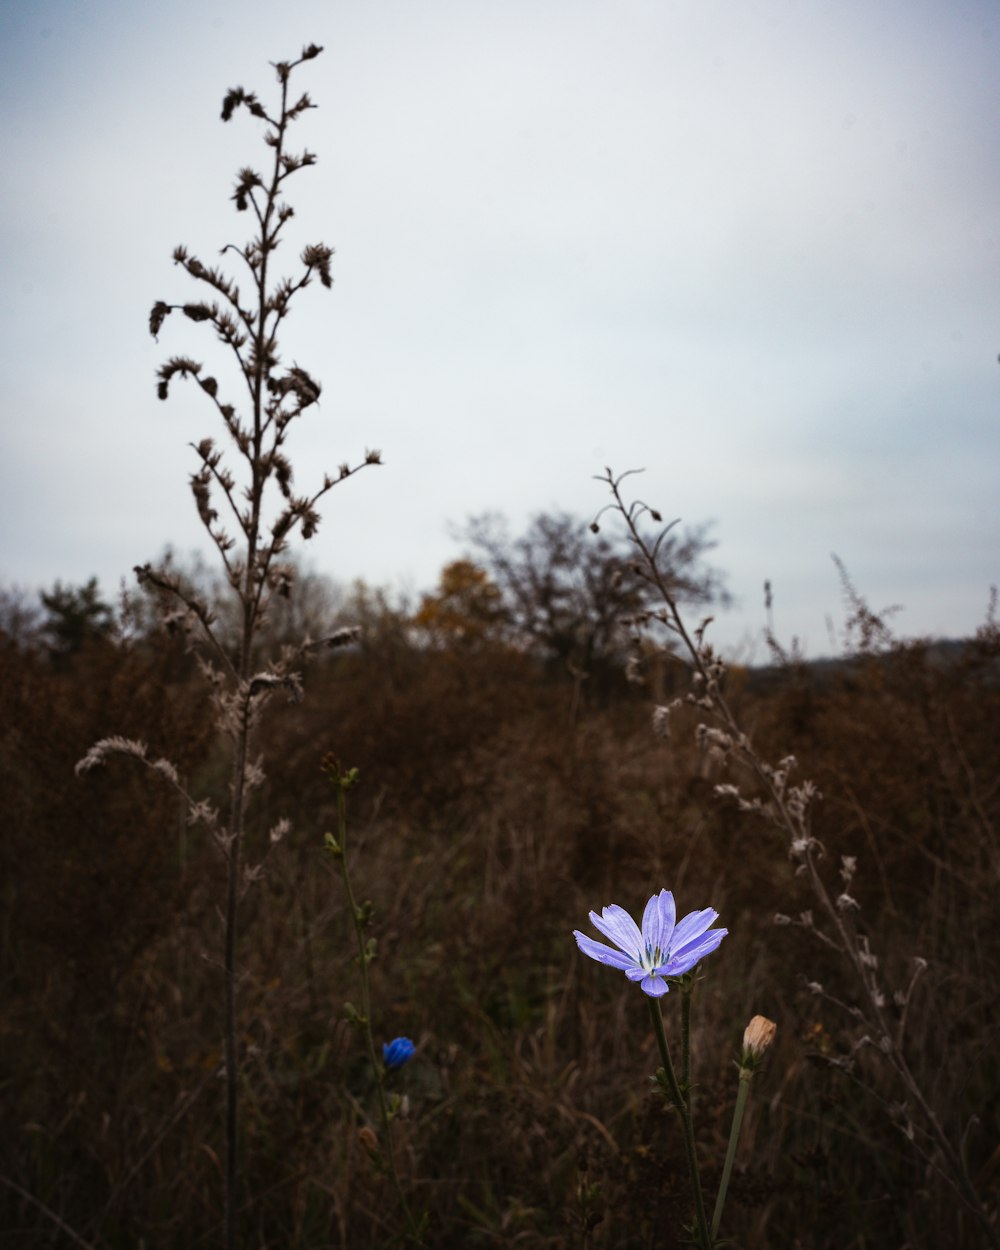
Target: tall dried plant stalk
{"x":260,"y":500}
{"x":881,"y":1014}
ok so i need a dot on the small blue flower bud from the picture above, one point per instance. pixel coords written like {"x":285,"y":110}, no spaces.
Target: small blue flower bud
{"x":397,"y":1052}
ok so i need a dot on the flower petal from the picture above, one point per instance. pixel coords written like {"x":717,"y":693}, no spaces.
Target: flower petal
{"x":658,"y":921}
{"x":603,"y":954}
{"x":685,"y":959}
{"x":692,"y":926}
{"x":615,"y":923}
{"x":655,"y":987}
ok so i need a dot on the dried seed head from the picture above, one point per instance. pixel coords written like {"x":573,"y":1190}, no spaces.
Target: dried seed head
{"x":159,"y":311}
{"x":633,"y":671}
{"x":100,"y":751}
{"x":167,"y":770}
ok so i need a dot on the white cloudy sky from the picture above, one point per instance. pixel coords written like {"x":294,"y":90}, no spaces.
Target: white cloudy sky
{"x":752,"y":246}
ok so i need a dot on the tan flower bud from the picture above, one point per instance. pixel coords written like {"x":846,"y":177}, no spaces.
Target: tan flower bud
{"x":367,"y":1138}
{"x":758,"y":1036}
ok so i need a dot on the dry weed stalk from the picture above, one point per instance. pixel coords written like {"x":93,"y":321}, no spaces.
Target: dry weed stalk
{"x":880,"y":1018}
{"x":241,"y":684}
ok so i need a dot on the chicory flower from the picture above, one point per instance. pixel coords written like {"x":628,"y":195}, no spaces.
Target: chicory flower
{"x":397,"y":1052}
{"x":663,"y":948}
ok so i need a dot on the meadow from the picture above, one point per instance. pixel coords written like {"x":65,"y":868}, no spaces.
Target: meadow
{"x":290,"y":885}
{"x":494,"y":811}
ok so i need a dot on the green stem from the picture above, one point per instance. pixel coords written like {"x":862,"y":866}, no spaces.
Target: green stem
{"x":746,"y":1076}
{"x":683,"y":1106}
{"x":687,"y":989}
{"x":378,"y":1067}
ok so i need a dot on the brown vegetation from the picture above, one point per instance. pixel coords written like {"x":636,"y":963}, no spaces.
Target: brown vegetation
{"x":489,"y":821}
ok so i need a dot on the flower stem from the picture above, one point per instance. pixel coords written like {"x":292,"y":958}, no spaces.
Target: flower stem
{"x":684,"y":1107}
{"x":746,"y":1076}
{"x":365,"y":955}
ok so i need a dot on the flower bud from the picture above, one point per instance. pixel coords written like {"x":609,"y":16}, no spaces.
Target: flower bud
{"x":759,"y":1034}
{"x":397,"y":1052}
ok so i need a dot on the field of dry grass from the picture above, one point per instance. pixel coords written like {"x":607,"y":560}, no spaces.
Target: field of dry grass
{"x":493,"y":813}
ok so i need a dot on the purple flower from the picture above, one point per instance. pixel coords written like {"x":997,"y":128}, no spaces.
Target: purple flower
{"x":397,"y":1052}
{"x":662,"y":949}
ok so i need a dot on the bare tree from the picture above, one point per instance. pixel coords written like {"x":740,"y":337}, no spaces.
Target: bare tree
{"x":565,"y":591}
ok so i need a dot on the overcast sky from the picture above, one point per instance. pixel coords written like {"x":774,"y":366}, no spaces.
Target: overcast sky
{"x":753,"y":247}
